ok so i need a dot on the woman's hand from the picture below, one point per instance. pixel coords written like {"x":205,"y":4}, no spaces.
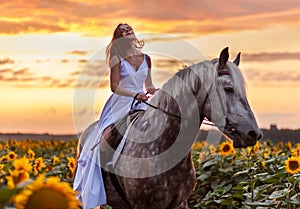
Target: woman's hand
{"x":141,"y":97}
{"x":152,"y":90}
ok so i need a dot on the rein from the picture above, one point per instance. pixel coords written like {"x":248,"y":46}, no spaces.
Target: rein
{"x":205,"y":121}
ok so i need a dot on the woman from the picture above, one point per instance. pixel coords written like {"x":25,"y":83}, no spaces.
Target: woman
{"x":130,"y":71}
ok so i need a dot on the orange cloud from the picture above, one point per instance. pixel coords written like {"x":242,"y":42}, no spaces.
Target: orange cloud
{"x":77,"y":52}
{"x":267,"y":57}
{"x":100,"y":17}
{"x":6,"y":61}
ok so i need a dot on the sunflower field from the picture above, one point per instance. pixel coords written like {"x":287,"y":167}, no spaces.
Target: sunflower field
{"x":263,"y":176}
{"x":38,"y":174}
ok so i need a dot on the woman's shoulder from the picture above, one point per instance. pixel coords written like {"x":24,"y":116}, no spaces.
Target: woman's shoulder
{"x":148,"y":60}
{"x":115,"y":60}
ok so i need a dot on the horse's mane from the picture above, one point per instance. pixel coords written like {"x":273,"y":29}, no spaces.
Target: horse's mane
{"x":196,"y":76}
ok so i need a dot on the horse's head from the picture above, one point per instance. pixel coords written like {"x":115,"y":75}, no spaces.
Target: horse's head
{"x":236,"y":119}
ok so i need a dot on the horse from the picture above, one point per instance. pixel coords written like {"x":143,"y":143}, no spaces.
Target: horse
{"x":154,"y":168}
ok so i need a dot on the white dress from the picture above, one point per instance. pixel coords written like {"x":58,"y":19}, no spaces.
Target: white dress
{"x":88,"y":182}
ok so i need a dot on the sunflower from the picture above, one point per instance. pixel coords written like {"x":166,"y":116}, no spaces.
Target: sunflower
{"x":16,"y":177}
{"x":212,"y":149}
{"x":38,"y":166}
{"x":31,"y":154}
{"x":11,"y":155}
{"x":197,"y":146}
{"x":296,"y":152}
{"x":226,"y":148}
{"x":22,"y":165}
{"x":289,"y":145}
{"x":256,"y":147}
{"x":71,"y":164}
{"x":1,"y":168}
{"x":4,"y":158}
{"x":6,"y":146}
{"x":55,"y":160}
{"x":14,"y":142}
{"x":47,"y":193}
{"x":249,"y":150}
{"x":292,"y":165}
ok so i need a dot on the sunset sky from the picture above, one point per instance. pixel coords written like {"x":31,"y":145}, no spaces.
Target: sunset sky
{"x":53,"y":77}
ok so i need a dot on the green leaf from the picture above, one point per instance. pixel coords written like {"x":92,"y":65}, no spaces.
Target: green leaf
{"x":227,"y":188}
{"x":270,"y":161}
{"x":261,"y":204}
{"x":294,"y":199}
{"x":240,"y":173}
{"x":204,"y":176}
{"x":227,"y":202}
{"x":279,"y":194}
{"x":209,"y":163}
{"x":238,"y":188}
{"x":238,"y":195}
{"x":216,"y":184}
{"x":6,"y":194}
{"x":262,"y":176}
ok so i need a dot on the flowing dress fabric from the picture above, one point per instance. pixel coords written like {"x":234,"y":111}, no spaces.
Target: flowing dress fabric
{"x":88,"y":182}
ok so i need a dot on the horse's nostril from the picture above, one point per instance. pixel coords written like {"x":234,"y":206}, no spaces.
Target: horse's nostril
{"x":255,"y":135}
{"x":260,"y":135}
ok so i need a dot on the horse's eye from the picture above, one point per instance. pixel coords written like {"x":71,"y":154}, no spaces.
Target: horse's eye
{"x":228,"y":89}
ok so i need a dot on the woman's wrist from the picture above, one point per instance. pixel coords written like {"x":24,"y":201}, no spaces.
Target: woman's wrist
{"x":135,"y":95}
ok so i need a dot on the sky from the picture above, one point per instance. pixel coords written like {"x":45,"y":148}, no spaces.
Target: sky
{"x":53,"y":77}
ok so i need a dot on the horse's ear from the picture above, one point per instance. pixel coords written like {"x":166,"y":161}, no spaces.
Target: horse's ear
{"x":237,"y":59}
{"x":223,"y":58}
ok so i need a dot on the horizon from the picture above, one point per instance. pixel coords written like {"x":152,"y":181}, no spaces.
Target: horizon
{"x":49,"y":47}
{"x":202,"y":128}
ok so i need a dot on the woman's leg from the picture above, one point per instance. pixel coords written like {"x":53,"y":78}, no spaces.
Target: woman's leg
{"x":106,"y":152}
{"x":106,"y":139}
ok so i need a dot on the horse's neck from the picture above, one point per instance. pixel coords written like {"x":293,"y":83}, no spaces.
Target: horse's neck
{"x":179,"y":112}
{"x":173,"y":92}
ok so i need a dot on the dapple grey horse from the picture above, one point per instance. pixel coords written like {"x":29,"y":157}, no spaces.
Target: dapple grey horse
{"x":154,"y":167}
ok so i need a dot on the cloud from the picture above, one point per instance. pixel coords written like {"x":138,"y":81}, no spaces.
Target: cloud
{"x":24,"y":78}
{"x":269,"y":57}
{"x":64,"y":60}
{"x":77,"y":52}
{"x":6,"y":61}
{"x":94,"y":67}
{"x":91,"y":77}
{"x":75,"y":73}
{"x":8,"y":27}
{"x":42,"y":61}
{"x":166,"y":64}
{"x":5,"y":71}
{"x":83,"y":61}
{"x":23,"y":72}
{"x":99,"y":17}
{"x":264,"y":76}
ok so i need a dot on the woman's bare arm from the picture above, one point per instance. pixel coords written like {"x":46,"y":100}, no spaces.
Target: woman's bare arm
{"x":148,"y":82}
